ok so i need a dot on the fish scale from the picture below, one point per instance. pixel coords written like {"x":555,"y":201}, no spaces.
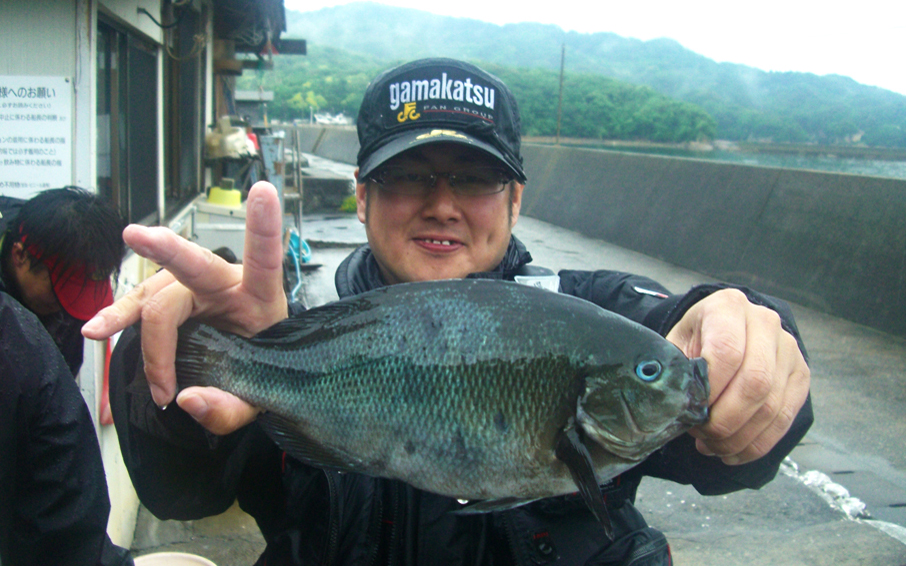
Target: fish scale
{"x":469,"y":388}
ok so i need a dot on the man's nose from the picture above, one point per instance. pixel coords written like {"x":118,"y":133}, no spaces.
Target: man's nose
{"x":441,"y":201}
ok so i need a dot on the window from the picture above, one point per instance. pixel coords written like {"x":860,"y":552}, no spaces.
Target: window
{"x":184,"y":126}
{"x":127,"y":123}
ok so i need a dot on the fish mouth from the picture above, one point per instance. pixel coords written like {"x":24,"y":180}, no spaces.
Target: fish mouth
{"x":622,"y":447}
{"x":632,"y":446}
{"x":697,"y":394}
{"x":637,"y":429}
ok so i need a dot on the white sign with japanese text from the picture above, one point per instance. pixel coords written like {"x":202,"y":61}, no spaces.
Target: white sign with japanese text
{"x":35,"y":134}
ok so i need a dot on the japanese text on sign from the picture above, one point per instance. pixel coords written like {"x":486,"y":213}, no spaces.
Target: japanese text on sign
{"x":35,"y":134}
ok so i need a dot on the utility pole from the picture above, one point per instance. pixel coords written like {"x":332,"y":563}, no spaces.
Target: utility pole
{"x":560,"y":100}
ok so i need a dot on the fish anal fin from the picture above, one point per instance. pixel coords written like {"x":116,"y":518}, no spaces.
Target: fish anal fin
{"x":572,"y":451}
{"x":290,"y":439}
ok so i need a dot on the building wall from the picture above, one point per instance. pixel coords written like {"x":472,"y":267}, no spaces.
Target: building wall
{"x":58,"y":38}
{"x":32,"y":49}
{"x":126,"y":13}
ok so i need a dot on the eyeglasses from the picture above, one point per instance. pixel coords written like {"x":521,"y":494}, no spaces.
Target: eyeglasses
{"x":471,"y":181}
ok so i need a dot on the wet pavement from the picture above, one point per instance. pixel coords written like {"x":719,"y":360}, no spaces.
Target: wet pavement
{"x":839,"y":500}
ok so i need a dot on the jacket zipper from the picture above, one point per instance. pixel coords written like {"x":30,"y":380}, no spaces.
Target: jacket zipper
{"x":394,"y":529}
{"x":334,"y":530}
{"x":510,"y":536}
{"x":377,"y":525}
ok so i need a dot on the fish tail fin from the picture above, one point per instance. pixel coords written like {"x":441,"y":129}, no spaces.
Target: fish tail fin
{"x":201,"y":356}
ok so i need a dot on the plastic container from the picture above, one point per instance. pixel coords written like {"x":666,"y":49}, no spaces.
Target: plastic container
{"x":225,"y":197}
{"x":172,"y":559}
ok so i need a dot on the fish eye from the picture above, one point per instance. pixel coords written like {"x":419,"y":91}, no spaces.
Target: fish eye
{"x":648,"y":370}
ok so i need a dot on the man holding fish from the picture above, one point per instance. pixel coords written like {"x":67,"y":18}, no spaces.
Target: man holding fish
{"x":440,"y":184}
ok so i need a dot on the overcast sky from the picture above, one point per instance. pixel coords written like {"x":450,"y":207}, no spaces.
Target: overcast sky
{"x":865,"y":39}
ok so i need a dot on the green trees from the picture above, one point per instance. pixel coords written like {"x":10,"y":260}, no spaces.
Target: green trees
{"x":597,"y":107}
{"x":594,"y":106}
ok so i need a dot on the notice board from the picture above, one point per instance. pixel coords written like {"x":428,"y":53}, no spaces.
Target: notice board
{"x":35,"y":134}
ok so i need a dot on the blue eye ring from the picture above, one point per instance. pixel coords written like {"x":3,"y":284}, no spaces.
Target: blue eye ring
{"x":648,"y":370}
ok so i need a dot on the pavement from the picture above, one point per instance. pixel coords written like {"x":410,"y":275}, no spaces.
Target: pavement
{"x":839,"y":500}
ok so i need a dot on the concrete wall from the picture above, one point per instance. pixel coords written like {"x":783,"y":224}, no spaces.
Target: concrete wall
{"x":833,"y":242}
{"x":339,"y":143}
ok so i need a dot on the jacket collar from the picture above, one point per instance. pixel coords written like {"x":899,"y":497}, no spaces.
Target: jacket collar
{"x":359,"y":272}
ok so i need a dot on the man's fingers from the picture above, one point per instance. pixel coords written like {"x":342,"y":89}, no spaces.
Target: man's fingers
{"x":759,"y":404}
{"x":126,"y":311}
{"x":753,"y":388}
{"x":161,"y":317}
{"x":216,"y":410}
{"x":724,"y":339}
{"x":758,"y":376}
{"x":794,"y":397}
{"x":263,"y":253}
{"x":262,"y":269}
{"x":192,"y":265}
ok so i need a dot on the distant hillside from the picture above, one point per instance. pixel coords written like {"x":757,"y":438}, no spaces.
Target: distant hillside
{"x":747,"y":103}
{"x":594,"y":106}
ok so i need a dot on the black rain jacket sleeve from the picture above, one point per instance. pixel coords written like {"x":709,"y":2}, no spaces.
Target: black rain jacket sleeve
{"x":53,"y":493}
{"x":647,"y":302}
{"x":180,"y":470}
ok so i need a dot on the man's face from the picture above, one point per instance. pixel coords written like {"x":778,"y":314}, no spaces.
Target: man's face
{"x":440,"y":235}
{"x":33,"y":282}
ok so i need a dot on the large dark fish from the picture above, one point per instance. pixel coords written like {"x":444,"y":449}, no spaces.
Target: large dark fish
{"x":474,"y":389}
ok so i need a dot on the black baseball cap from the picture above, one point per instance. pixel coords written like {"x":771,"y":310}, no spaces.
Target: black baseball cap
{"x":438,"y":100}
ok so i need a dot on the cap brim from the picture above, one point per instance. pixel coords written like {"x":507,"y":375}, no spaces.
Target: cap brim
{"x":419,"y":137}
{"x":80,"y":295}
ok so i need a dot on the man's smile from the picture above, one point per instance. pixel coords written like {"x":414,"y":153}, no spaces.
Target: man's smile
{"x":438,"y":243}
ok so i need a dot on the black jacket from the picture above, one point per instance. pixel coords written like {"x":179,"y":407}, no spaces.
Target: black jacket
{"x":53,"y":492}
{"x":311,"y":516}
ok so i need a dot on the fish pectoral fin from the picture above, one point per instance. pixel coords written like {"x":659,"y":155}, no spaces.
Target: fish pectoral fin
{"x":572,"y":451}
{"x":290,"y":439}
{"x":489,"y":505}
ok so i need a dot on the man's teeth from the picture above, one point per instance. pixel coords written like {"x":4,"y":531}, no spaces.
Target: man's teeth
{"x":442,"y":242}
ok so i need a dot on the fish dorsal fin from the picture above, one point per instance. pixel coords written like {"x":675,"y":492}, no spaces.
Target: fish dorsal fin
{"x":572,"y":451}
{"x":291,"y":440}
{"x":298,"y":328}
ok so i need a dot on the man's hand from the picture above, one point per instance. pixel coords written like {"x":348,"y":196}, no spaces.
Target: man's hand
{"x":243,"y":299}
{"x":759,"y":378}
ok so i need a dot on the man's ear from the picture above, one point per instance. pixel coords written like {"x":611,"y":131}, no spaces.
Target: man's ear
{"x":515,"y":202}
{"x":20,"y":256}
{"x":361,"y":198}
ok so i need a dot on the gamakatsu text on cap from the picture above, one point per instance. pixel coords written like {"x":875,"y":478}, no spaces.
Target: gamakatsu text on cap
{"x":441,"y":89}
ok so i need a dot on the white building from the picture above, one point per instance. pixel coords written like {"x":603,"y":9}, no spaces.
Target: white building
{"x":116,"y":96}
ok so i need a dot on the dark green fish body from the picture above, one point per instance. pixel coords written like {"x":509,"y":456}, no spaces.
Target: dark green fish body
{"x":466,"y":388}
